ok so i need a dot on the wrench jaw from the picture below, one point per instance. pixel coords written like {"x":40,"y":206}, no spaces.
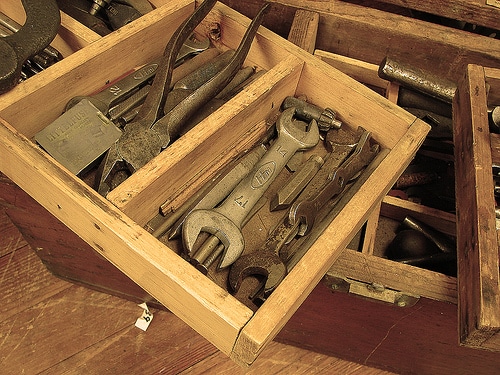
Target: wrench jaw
{"x":129,"y":153}
{"x":213,"y":222}
{"x":302,"y":215}
{"x":265,"y":264}
{"x":287,"y":125}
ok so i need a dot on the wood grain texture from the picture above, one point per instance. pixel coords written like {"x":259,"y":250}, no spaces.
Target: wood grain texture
{"x":370,"y":34}
{"x":475,"y":12}
{"x":478,"y":255}
{"x":415,"y":340}
{"x":50,"y":326}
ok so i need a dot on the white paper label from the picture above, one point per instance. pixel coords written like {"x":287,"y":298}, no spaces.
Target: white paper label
{"x":145,"y":319}
{"x":495,"y":3}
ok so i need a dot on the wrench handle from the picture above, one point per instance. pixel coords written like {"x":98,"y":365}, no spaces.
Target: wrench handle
{"x":124,"y":86}
{"x":246,"y":194}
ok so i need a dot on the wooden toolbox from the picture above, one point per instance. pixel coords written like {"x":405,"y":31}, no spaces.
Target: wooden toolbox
{"x":113,"y":227}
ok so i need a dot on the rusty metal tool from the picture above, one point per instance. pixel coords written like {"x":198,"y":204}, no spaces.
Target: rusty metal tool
{"x":304,"y":212}
{"x":112,"y":94}
{"x":79,"y":10}
{"x":42,"y":24}
{"x":138,"y":97}
{"x":142,"y":6}
{"x":191,"y":47}
{"x":120,"y":15}
{"x":193,"y":81}
{"x":417,"y":79}
{"x":296,"y":251}
{"x":150,"y":132}
{"x":48,"y":56}
{"x":326,"y":117}
{"x":214,"y":193}
{"x":297,"y":182}
{"x":225,"y":221}
{"x":266,"y":262}
{"x":97,"y":6}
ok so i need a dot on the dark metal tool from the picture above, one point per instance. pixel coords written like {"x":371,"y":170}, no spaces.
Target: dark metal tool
{"x":42,"y":24}
{"x":326,"y":117}
{"x":417,"y":79}
{"x":121,"y":14}
{"x":120,"y":111}
{"x":79,"y":10}
{"x":225,"y":221}
{"x":150,"y":132}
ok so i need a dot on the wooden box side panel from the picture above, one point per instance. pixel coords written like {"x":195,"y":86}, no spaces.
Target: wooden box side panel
{"x":476,"y":12}
{"x":64,"y":253}
{"x":421,"y":339}
{"x":478,"y":267}
{"x":156,"y":269}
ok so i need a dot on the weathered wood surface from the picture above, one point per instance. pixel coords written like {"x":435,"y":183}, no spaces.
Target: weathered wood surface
{"x":477,"y":241}
{"x":421,"y":339}
{"x":475,"y":12}
{"x":370,"y":34}
{"x":50,"y":326}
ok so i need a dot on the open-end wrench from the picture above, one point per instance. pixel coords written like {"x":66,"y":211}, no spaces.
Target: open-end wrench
{"x":192,"y":46}
{"x":225,"y":221}
{"x":112,"y":94}
{"x":266,"y":262}
{"x":303,"y":213}
{"x":150,"y":133}
{"x":42,"y":23}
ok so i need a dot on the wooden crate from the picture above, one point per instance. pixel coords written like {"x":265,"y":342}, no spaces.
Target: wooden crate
{"x":477,"y":232}
{"x":113,"y":227}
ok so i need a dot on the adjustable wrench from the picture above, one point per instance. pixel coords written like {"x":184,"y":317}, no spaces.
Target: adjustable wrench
{"x":225,"y":221}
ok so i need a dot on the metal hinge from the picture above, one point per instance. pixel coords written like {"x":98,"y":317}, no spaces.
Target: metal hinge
{"x":373,"y":290}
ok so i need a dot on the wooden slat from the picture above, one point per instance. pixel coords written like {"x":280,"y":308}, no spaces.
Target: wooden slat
{"x":475,"y":12}
{"x":478,"y":259}
{"x":304,"y":30}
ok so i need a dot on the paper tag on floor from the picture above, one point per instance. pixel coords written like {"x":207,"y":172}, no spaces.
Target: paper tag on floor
{"x":145,"y":319}
{"x":495,"y":3}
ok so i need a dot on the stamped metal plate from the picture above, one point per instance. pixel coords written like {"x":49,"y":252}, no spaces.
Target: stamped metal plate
{"x":78,"y":137}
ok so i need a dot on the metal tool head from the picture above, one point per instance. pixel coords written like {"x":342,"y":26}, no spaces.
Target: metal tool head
{"x":215,"y":223}
{"x":258,"y":263}
{"x":192,"y":46}
{"x":42,"y":23}
{"x":139,"y":142}
{"x":307,"y":138}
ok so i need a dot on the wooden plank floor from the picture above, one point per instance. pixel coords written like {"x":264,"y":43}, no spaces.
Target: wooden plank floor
{"x":50,"y":326}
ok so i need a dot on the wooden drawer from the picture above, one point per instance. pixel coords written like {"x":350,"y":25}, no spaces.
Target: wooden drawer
{"x":476,"y":151}
{"x":396,"y":278}
{"x":113,"y":227}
